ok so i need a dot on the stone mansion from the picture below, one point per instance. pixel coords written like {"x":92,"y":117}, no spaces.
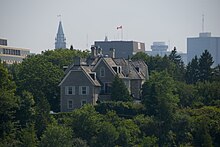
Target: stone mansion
{"x":89,"y":80}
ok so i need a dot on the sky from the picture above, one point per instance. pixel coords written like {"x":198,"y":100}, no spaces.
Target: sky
{"x":33,"y":24}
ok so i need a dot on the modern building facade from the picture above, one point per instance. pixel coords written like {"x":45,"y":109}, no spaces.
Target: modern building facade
{"x":158,"y":48}
{"x":197,"y":45}
{"x":89,"y":80}
{"x":3,"y":42}
{"x":60,"y":40}
{"x":123,"y":49}
{"x":161,"y":49}
{"x":11,"y":55}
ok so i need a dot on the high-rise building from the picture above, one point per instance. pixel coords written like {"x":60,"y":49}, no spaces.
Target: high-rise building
{"x":158,"y":48}
{"x":197,"y":45}
{"x":161,"y":49}
{"x":11,"y":55}
{"x":60,"y":40}
{"x":123,"y":49}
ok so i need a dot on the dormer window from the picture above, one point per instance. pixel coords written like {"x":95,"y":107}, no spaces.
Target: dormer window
{"x":138,"y":69}
{"x":102,"y":72}
{"x":93,"y":75}
{"x":117,"y":69}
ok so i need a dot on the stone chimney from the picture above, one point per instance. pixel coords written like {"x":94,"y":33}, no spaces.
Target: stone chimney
{"x":93,"y":51}
{"x":100,"y":51}
{"x":112,"y":53}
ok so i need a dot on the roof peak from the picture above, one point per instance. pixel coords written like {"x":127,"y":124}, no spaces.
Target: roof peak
{"x":60,"y":28}
{"x":60,"y":40}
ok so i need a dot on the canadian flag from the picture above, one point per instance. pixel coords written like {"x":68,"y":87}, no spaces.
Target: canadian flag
{"x":119,"y":27}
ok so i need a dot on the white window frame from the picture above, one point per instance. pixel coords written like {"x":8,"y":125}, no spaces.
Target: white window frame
{"x":67,"y":90}
{"x":102,"y":72}
{"x":68,"y":104}
{"x":84,"y":100}
{"x":81,"y":90}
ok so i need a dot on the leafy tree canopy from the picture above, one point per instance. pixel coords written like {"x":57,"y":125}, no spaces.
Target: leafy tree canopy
{"x":119,"y":91}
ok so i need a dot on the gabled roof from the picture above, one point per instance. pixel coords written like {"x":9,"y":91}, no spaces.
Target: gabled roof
{"x":110,"y":63}
{"x":86,"y":70}
{"x":143,"y":68}
{"x":129,"y":69}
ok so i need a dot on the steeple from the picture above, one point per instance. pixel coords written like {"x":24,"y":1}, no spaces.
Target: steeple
{"x":60,"y":40}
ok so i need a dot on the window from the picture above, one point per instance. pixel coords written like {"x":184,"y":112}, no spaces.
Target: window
{"x":108,"y":88}
{"x":84,"y":90}
{"x":70,"y":90}
{"x":102,"y":72}
{"x":83,"y":102}
{"x":117,"y":69}
{"x":93,"y":75}
{"x":70,"y":104}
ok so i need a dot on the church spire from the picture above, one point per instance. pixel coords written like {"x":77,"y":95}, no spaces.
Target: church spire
{"x":60,"y":40}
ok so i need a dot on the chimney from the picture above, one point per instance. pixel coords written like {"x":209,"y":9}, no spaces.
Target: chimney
{"x":77,"y":61}
{"x":112,"y":52}
{"x":93,"y":51}
{"x":100,"y":51}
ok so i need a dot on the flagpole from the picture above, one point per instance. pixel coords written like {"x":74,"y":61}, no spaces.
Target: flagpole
{"x":121,"y":33}
{"x":121,"y":28}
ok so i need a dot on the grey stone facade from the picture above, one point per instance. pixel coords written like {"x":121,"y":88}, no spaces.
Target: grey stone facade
{"x":97,"y":74}
{"x":123,"y":49}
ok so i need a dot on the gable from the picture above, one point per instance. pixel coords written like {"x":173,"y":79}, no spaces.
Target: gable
{"x":109,"y":73}
{"x":77,"y":77}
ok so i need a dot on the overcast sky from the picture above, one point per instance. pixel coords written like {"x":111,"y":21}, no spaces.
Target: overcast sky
{"x":33,"y":24}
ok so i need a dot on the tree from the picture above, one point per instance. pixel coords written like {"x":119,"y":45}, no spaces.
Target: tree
{"x":208,"y":92}
{"x":41,"y":78}
{"x":201,"y":134}
{"x":140,"y":56}
{"x":71,"y":47}
{"x":85,"y":123}
{"x":128,"y":133}
{"x":192,"y":71}
{"x":78,"y":142}
{"x":205,"y":63}
{"x":179,"y":70}
{"x":150,"y":141}
{"x":216,"y":74}
{"x":28,"y":136}
{"x":161,"y":102}
{"x":119,"y":91}
{"x":42,"y":118}
{"x":8,"y":106}
{"x":56,"y":136}
{"x":63,"y":57}
{"x":174,"y":56}
{"x":107,"y":135}
{"x":187,"y":94}
{"x":26,"y":112}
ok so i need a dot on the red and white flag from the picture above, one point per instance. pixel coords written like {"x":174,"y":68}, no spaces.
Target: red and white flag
{"x":119,"y":27}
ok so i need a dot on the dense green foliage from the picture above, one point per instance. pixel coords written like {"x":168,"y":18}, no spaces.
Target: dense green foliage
{"x":180,"y":105}
{"x":119,"y":91}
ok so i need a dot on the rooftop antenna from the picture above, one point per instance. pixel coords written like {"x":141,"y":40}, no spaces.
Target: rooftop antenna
{"x":203,"y":23}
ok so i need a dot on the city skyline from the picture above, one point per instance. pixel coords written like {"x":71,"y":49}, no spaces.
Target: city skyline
{"x":34,"y":24}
